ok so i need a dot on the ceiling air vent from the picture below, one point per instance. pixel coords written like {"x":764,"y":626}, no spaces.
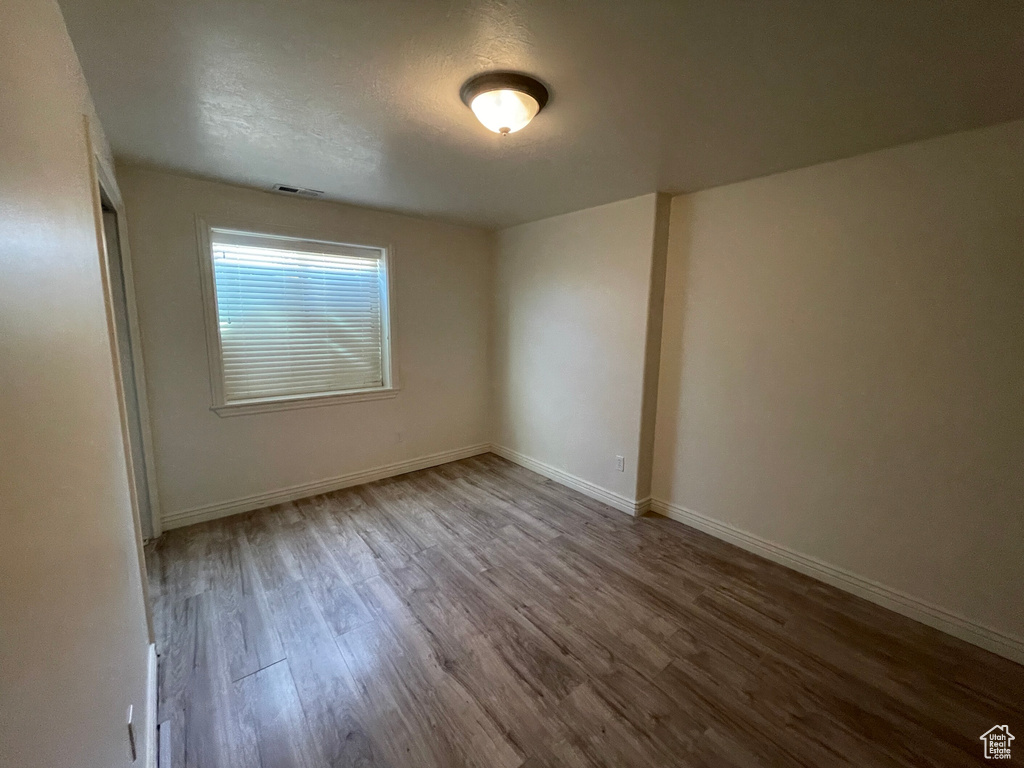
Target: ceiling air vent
{"x":288,"y":189}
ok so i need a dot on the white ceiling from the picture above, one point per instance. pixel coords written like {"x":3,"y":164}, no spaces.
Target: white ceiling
{"x":360,"y":98}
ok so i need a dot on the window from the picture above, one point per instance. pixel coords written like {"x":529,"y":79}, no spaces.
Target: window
{"x":294,"y":322}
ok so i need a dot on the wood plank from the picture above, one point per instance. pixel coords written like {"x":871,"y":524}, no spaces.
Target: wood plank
{"x":272,"y":709}
{"x":323,"y":684}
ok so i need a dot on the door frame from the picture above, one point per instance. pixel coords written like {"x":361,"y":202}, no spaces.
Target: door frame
{"x":107,"y":191}
{"x":102,"y":184}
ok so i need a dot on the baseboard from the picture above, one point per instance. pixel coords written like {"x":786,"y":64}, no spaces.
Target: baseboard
{"x":587,"y":488}
{"x":900,"y":602}
{"x":151,"y":709}
{"x":305,"y":490}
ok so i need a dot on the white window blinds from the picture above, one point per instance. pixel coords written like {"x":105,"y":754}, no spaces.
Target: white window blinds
{"x":298,"y":317}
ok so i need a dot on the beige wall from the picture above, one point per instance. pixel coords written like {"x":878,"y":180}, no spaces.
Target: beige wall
{"x":842,"y":367}
{"x":73,"y":637}
{"x":441,"y":279}
{"x":571,"y":317}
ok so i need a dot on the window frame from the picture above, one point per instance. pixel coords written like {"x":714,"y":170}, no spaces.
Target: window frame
{"x":204,"y":230}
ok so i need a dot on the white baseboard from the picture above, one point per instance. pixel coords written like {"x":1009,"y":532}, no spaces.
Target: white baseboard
{"x":900,"y":602}
{"x":305,"y":490}
{"x":151,"y":713}
{"x":587,"y":488}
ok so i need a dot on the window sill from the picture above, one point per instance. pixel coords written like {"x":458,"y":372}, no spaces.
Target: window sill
{"x":246,"y":407}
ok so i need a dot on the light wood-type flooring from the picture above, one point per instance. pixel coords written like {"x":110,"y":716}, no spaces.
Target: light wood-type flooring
{"x":477,"y":614}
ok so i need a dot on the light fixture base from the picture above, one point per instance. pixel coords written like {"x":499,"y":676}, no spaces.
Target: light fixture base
{"x":497,"y":81}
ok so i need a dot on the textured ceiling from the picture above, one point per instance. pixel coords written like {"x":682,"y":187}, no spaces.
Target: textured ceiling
{"x":360,"y":98}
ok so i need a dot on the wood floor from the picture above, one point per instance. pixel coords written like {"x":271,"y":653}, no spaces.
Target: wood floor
{"x":477,"y":614}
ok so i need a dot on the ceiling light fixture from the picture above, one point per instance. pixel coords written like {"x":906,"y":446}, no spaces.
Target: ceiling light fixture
{"x":504,"y":102}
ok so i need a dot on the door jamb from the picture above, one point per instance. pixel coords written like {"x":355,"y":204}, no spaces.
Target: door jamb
{"x":101,"y":180}
{"x":109,"y":188}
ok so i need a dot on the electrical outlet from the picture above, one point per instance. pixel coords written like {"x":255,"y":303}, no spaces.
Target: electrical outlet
{"x":620,"y":463}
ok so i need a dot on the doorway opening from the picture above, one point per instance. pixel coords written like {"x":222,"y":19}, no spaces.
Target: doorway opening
{"x":127,"y":363}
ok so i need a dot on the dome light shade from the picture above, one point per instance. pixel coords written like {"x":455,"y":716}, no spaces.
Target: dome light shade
{"x":504,"y":111}
{"x":504,"y":102}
